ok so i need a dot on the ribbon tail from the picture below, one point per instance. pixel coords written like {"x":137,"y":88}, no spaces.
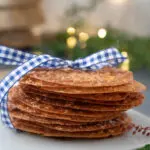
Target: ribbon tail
{"x":9,"y":56}
{"x":14,"y":77}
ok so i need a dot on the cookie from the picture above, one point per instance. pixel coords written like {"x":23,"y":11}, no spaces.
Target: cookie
{"x":132,"y":87}
{"x":44,"y":131}
{"x":107,"y":76}
{"x":63,"y":125}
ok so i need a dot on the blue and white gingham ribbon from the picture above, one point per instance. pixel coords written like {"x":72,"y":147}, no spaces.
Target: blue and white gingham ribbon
{"x":27,"y":62}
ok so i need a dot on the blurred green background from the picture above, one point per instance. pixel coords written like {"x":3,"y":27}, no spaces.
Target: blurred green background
{"x":73,"y":29}
{"x":73,"y":46}
{"x":76,"y":40}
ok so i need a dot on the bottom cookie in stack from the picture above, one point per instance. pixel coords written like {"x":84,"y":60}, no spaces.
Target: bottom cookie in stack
{"x":59,"y":121}
{"x":117,"y":128}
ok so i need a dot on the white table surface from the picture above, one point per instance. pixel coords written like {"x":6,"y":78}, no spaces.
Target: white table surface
{"x":11,"y":140}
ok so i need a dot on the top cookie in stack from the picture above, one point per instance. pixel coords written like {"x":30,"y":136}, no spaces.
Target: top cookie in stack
{"x":74,"y":103}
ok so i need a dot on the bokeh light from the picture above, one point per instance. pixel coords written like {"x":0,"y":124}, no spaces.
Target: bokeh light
{"x":126,"y":64}
{"x":102,"y":33}
{"x":83,"y":36}
{"x":71,"y":30}
{"x":71,"y":42}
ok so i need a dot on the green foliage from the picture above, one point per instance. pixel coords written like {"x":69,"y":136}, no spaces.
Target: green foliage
{"x":146,"y":147}
{"x":138,"y":48}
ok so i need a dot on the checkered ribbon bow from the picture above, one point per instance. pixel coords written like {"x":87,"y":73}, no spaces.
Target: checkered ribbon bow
{"x":26,"y":62}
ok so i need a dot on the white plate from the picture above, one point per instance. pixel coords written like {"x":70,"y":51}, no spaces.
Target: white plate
{"x":10,"y":140}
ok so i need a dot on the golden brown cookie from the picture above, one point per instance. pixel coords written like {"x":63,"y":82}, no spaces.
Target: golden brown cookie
{"x":13,"y":105}
{"x":91,"y":98}
{"x":132,"y":87}
{"x":65,"y":126}
{"x":130,"y":101}
{"x":44,"y":131}
{"x":18,"y":114}
{"x":52,"y":105}
{"x":107,"y":76}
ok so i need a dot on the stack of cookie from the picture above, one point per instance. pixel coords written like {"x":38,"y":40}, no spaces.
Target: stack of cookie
{"x":74,"y":103}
